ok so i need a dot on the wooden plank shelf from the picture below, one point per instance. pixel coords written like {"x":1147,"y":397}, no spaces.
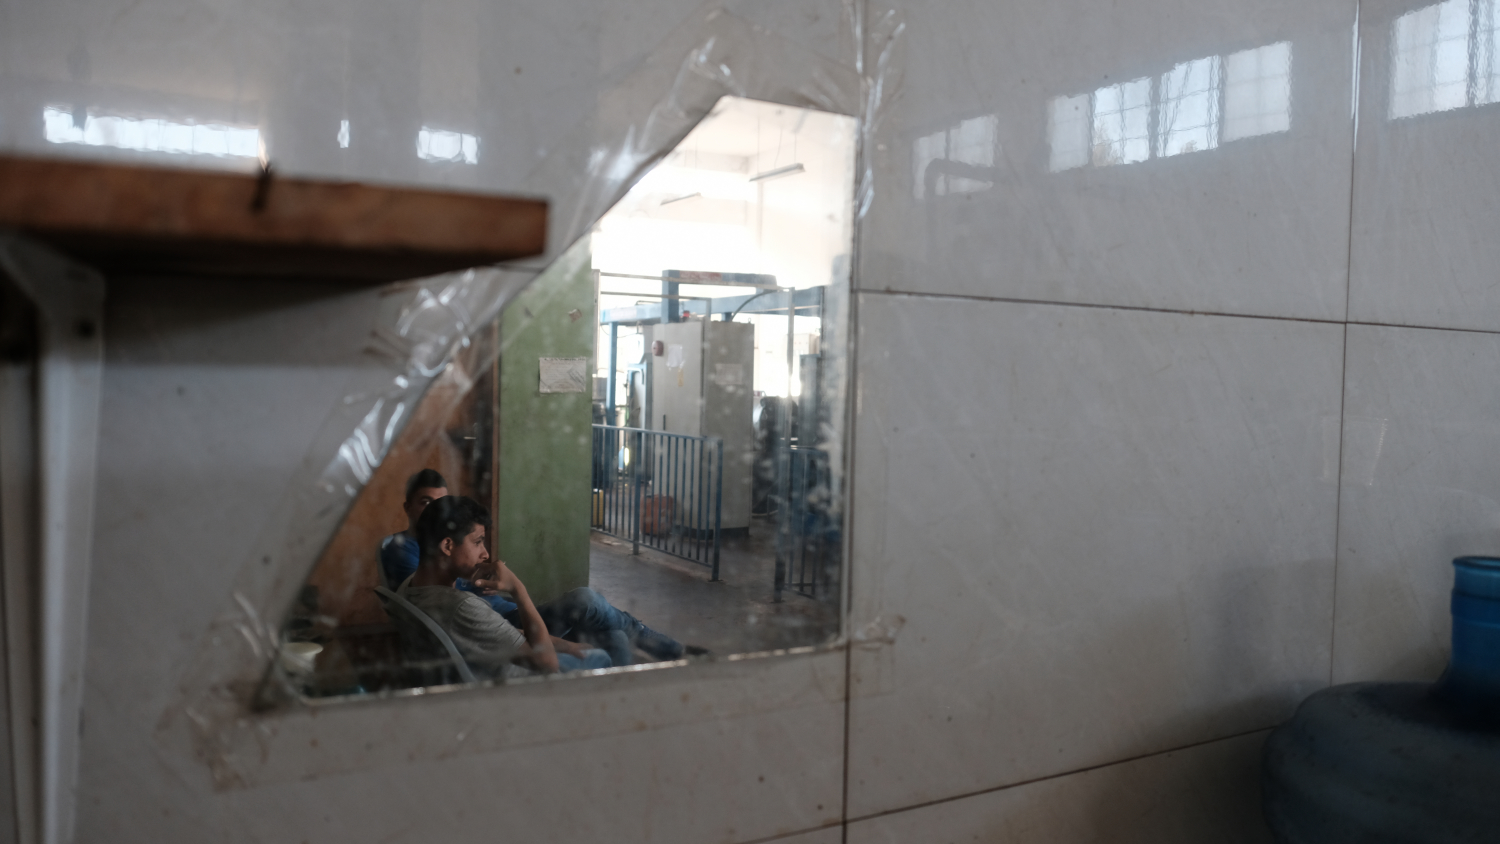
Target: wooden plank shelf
{"x":127,"y":220}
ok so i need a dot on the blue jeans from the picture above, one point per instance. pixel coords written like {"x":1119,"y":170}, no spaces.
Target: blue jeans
{"x":583,"y":615}
{"x":592,"y":658}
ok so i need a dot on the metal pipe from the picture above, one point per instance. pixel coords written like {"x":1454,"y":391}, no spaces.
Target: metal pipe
{"x":784,"y":448}
{"x":670,"y":312}
{"x":635,"y":472}
{"x":700,"y":500}
{"x":676,"y":487}
{"x":614,"y":357}
{"x":706,"y":279}
{"x":718,"y":506}
{"x":652,"y":295}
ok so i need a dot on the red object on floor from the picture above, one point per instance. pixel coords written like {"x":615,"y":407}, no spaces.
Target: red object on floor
{"x":656,"y":515}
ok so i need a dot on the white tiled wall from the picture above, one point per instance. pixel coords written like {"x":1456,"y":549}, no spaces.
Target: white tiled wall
{"x":1421,"y":485}
{"x":1208,"y":792}
{"x":1257,"y":225}
{"x":1109,"y":534}
{"x":1150,"y":443}
{"x":1424,"y":181}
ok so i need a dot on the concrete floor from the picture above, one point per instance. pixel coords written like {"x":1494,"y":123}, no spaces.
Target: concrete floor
{"x":737,"y":614}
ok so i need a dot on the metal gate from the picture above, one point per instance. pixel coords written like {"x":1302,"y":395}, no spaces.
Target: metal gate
{"x":663,"y":491}
{"x":808,"y":540}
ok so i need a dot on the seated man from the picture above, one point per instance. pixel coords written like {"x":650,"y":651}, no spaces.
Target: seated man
{"x":399,"y":553}
{"x":451,"y":536}
{"x":581,"y":614}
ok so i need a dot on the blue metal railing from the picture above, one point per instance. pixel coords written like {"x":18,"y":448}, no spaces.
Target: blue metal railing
{"x":663,"y":491}
{"x":808,"y":540}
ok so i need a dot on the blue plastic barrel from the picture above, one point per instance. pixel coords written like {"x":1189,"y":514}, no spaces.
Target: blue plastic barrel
{"x":1472,"y":681}
{"x":1382,"y":763}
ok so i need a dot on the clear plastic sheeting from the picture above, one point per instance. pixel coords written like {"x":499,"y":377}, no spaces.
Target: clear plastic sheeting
{"x":439,"y":337}
{"x":711,"y":55}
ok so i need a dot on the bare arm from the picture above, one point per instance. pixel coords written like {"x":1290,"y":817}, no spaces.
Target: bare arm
{"x":563,"y":646}
{"x":541,"y":654}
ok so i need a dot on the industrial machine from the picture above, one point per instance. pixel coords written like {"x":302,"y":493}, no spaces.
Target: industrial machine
{"x":702,"y":374}
{"x":657,"y":453}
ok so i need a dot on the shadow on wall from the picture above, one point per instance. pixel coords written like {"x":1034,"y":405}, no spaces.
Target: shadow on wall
{"x":1397,"y":572}
{"x":1224,"y":667}
{"x":1240,"y":672}
{"x":1253,"y":653}
{"x":183,"y":321}
{"x":1206,"y":793}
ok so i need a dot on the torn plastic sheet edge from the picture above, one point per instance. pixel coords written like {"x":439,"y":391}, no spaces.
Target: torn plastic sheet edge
{"x":641,"y":120}
{"x":357,"y":451}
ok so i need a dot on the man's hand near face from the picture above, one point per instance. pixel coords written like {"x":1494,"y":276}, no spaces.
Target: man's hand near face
{"x":493,"y":578}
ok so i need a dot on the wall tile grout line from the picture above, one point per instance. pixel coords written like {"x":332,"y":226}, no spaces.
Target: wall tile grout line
{"x":1423,"y":327}
{"x":1012,"y":300}
{"x":783,"y":836}
{"x":858,"y":11}
{"x":1007,"y":300}
{"x":1338,"y":507}
{"x":1084,"y":770}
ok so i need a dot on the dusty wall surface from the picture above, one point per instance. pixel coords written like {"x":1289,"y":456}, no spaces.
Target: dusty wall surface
{"x":1151,"y":442}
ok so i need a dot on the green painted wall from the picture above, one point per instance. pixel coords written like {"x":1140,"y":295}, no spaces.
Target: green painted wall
{"x":542,"y":518}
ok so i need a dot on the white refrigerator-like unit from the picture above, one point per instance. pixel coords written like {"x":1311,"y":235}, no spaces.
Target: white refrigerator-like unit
{"x":702,"y":385}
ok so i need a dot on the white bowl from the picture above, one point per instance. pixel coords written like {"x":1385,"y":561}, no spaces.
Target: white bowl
{"x":298,"y":657}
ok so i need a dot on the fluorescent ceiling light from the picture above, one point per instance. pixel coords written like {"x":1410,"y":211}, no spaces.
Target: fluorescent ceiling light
{"x":443,"y":145}
{"x":148,"y":134}
{"x":779,"y":171}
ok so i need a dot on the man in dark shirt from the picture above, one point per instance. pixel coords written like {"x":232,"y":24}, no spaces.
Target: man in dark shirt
{"x":580,"y":614}
{"x":399,"y":553}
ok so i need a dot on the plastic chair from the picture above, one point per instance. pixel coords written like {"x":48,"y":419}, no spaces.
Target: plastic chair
{"x":379,"y":569}
{"x":392,"y":600}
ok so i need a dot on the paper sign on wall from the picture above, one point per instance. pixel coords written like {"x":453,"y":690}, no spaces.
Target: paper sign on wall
{"x":675,"y":357}
{"x":564,"y":375}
